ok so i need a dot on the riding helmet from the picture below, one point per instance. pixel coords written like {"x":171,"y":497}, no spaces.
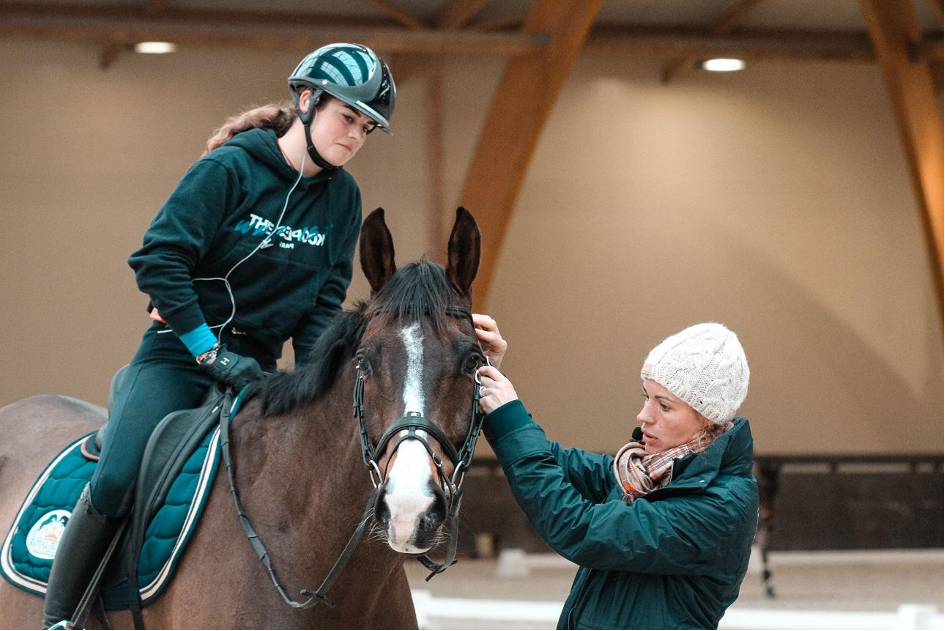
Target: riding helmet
{"x":351,"y":73}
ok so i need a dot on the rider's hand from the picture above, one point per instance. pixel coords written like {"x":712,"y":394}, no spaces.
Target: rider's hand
{"x":496,"y":390}
{"x":230,"y":369}
{"x":489,"y":338}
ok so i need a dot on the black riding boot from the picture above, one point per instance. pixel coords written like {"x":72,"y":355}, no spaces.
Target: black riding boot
{"x":80,"y":551}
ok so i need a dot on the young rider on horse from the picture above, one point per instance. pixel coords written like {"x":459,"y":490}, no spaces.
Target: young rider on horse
{"x":254,"y":246}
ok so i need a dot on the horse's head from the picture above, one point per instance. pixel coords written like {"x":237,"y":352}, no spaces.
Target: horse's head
{"x":417,"y":364}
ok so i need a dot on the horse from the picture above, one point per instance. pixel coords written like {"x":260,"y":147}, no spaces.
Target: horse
{"x":408,"y":353}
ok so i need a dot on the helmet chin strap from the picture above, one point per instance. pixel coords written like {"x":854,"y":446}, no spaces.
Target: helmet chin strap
{"x":313,"y":153}
{"x":307,"y":118}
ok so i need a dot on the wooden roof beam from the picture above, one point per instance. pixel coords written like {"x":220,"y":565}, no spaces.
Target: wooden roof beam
{"x":527,"y":91}
{"x":453,"y":15}
{"x":268,"y":34}
{"x":403,"y":67}
{"x":724,"y":25}
{"x":660,"y":42}
{"x":165,"y":20}
{"x":110,"y":53}
{"x":157,"y":7}
{"x":895,"y":33}
{"x":499,"y":24}
{"x":403,"y":64}
{"x":398,"y":15}
{"x":938,"y":74}
{"x":168,"y":12}
{"x":456,"y":14}
{"x":936,"y":6}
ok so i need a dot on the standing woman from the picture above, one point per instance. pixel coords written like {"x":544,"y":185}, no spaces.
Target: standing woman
{"x":662,"y":531}
{"x":254,"y":246}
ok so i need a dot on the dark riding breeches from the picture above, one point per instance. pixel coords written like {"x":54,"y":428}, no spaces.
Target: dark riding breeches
{"x":162,"y":378}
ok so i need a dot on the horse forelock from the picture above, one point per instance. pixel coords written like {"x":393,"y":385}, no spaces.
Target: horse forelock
{"x":417,"y":292}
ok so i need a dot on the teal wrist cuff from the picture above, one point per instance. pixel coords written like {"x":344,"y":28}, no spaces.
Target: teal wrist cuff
{"x":506,"y":419}
{"x":199,"y":341}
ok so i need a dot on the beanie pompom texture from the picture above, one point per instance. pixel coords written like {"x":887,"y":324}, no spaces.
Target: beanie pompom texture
{"x":703,"y":365}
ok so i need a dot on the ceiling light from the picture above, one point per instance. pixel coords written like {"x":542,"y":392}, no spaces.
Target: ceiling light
{"x":723,"y":65}
{"x":155,"y":48}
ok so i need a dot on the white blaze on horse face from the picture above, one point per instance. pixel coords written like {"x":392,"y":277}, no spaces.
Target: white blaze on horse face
{"x":407,"y":497}
{"x":409,"y":478}
{"x":413,"y":381}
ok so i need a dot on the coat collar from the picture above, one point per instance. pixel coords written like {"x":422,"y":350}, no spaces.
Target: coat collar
{"x":730,"y":454}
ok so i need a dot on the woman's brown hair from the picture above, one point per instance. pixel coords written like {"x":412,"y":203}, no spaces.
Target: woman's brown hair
{"x":709,"y":432}
{"x":276,"y":116}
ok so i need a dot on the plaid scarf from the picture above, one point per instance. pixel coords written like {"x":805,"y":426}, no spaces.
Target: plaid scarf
{"x":639,"y":473}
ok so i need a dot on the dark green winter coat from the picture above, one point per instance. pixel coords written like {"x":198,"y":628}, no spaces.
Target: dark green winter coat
{"x":673,"y":559}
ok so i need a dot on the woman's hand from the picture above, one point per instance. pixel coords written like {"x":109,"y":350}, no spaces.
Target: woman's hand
{"x":489,"y":338}
{"x":496,"y":389}
{"x":230,"y":369}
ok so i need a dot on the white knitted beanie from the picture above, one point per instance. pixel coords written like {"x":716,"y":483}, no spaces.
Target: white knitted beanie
{"x":703,"y":365}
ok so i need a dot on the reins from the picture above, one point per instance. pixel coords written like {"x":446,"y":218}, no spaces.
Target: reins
{"x":411,"y":423}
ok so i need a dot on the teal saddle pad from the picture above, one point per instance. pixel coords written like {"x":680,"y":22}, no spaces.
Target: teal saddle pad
{"x":28,"y":549}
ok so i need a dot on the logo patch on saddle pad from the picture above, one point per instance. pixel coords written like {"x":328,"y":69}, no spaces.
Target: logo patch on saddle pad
{"x":43,"y":538}
{"x":27,"y":552}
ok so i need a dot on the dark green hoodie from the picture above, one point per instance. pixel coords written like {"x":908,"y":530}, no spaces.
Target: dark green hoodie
{"x":221,"y":210}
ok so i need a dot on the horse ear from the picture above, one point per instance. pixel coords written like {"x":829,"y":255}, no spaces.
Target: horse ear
{"x":463,"y":252}
{"x":377,"y":251}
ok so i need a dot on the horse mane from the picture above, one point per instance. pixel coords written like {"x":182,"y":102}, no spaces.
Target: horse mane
{"x":416,"y":290}
{"x":286,"y":391}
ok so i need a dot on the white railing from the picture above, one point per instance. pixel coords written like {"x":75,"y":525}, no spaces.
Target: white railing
{"x":516,"y":564}
{"x":906,"y":617}
{"x":432,"y":608}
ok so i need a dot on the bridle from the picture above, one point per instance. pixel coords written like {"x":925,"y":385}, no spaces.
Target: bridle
{"x":411,"y":423}
{"x":408,"y":427}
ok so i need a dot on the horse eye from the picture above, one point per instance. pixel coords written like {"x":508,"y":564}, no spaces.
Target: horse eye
{"x":363,"y":365}
{"x":473,"y":362}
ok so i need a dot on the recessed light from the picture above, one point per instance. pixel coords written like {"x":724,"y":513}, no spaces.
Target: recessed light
{"x":155,"y":48}
{"x":723,"y":65}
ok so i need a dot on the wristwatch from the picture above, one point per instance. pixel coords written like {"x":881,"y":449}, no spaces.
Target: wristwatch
{"x":207,"y":357}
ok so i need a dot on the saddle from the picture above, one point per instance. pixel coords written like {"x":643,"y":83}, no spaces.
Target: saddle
{"x":176,"y":474}
{"x":176,"y":440}
{"x":92,"y":447}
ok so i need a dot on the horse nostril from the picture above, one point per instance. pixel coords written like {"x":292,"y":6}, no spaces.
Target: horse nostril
{"x":431,"y":521}
{"x":381,"y":510}
{"x":436,"y":515}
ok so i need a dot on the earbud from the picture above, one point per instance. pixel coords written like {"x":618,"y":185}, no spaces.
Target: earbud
{"x":307,"y":101}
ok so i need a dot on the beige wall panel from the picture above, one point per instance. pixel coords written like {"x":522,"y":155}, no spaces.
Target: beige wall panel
{"x":775,"y":201}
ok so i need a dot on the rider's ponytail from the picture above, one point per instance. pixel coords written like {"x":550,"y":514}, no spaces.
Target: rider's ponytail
{"x":276,"y":116}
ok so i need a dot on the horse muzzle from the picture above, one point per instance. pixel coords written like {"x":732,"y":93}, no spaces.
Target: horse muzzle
{"x":411,"y":517}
